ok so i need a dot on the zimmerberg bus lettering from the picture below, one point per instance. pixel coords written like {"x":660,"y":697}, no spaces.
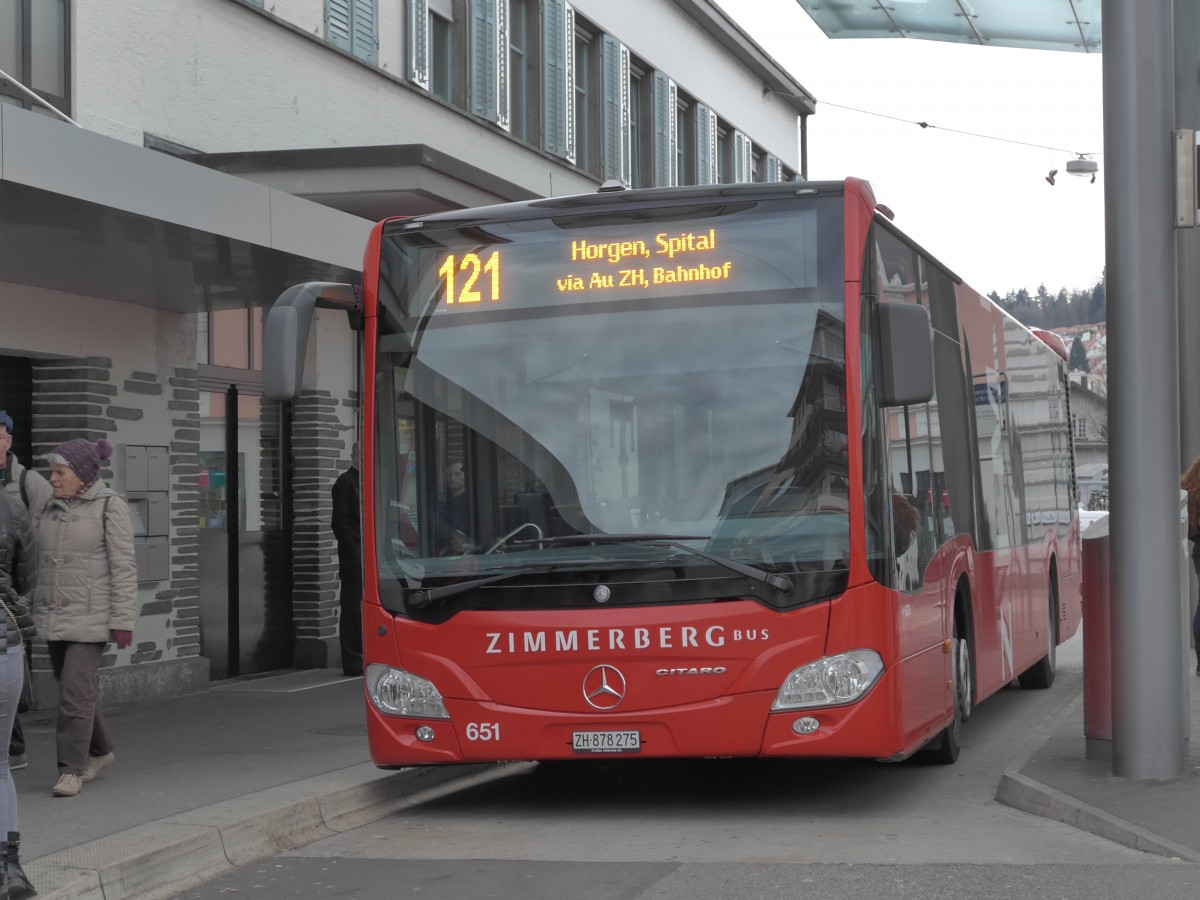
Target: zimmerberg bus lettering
{"x":666,"y":637}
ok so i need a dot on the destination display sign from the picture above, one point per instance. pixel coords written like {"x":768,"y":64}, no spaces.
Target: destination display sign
{"x":529,"y":269}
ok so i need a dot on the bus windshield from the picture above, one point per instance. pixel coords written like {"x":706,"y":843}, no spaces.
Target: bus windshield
{"x":583,"y":398}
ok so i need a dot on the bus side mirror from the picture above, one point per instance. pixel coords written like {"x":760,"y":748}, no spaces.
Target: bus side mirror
{"x":904,"y":364}
{"x":285,"y":333}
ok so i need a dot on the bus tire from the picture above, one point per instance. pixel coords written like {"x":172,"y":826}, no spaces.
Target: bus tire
{"x":943,"y":750}
{"x":1041,"y":674}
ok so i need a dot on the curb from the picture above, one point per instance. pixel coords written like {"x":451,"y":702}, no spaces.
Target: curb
{"x":1026,"y":794}
{"x":161,"y":858}
{"x":1032,"y":796}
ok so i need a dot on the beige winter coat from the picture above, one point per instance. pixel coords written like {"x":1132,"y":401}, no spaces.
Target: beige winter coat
{"x":87,"y":575}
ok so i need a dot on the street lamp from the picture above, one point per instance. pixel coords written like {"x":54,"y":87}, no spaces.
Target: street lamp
{"x":1083,"y":167}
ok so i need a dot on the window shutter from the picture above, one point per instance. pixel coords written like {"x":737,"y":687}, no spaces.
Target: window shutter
{"x":418,"y":42}
{"x":362,"y":29}
{"x":556,"y":87}
{"x":618,"y":157}
{"x":742,"y":162}
{"x":569,"y":82}
{"x":774,"y":170}
{"x":337,"y":23}
{"x":502,"y":99}
{"x":707,"y":161}
{"x":666,"y":135}
{"x":483,"y":59}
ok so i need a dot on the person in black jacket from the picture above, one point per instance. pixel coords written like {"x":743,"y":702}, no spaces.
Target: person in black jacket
{"x":1190,"y":482}
{"x":34,"y":492}
{"x":18,"y":570}
{"x":347,"y":528}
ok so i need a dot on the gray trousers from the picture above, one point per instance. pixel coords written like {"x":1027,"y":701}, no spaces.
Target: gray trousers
{"x":81,"y":729}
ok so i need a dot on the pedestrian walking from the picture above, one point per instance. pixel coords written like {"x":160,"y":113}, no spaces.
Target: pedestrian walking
{"x":85,"y":597}
{"x":34,"y":492}
{"x":347,"y":529}
{"x":1191,"y":483}
{"x":16,"y":631}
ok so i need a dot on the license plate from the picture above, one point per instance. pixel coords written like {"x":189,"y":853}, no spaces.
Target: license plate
{"x":606,"y":741}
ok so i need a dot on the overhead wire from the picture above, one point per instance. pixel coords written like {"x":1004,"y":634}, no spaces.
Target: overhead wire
{"x":989,"y":137}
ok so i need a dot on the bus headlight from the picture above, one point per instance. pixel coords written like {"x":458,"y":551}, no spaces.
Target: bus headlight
{"x":395,"y":692}
{"x":831,"y":681}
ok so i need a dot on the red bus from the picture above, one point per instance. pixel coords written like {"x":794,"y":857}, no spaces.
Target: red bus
{"x":733,"y":470}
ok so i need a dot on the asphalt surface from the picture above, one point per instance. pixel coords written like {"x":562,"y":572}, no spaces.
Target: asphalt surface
{"x":253,"y":767}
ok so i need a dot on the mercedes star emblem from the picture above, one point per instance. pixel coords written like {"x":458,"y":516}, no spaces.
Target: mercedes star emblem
{"x":604,"y":687}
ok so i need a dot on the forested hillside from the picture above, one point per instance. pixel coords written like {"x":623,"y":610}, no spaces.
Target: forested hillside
{"x":1042,"y":309}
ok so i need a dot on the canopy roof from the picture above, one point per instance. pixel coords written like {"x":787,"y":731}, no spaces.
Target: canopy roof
{"x":1037,"y":24}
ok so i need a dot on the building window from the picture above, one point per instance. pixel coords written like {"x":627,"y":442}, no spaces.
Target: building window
{"x":441,"y":56}
{"x":230,"y":337}
{"x":559,"y":82}
{"x":1081,"y":430}
{"x":585,"y":155}
{"x":351,"y":25}
{"x":519,"y":60}
{"x":774,"y":171}
{"x":721,"y":155}
{"x":489,"y":87}
{"x":682,"y":143}
{"x":636,"y":86}
{"x":430,"y":47}
{"x":617,"y":106}
{"x":35,"y":45}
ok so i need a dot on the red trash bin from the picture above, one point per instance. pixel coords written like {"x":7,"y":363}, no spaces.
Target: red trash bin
{"x":1097,"y":642}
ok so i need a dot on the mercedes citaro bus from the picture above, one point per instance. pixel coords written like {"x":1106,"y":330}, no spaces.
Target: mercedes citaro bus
{"x":727,"y":470}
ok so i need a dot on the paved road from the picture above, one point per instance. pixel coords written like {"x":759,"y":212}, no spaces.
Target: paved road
{"x":656,"y":830}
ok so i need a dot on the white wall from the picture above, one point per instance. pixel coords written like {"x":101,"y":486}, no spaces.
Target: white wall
{"x":218,"y":77}
{"x":668,"y":39}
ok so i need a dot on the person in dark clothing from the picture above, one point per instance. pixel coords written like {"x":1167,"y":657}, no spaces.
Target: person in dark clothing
{"x":347,"y":529}
{"x":454,"y":513}
{"x":34,"y":492}
{"x":1190,"y":482}
{"x":18,"y":567}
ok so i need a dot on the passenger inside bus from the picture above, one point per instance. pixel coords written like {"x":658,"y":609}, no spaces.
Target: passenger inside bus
{"x":454,"y":514}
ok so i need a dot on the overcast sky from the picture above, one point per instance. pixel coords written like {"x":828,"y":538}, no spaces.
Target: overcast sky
{"x":981,"y":206}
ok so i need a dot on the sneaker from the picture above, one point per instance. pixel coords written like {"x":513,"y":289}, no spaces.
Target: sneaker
{"x":68,"y":786}
{"x":96,"y":765}
{"x":18,"y":762}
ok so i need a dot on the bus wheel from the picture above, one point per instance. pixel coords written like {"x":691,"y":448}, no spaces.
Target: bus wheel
{"x":943,"y":749}
{"x":1041,"y":673}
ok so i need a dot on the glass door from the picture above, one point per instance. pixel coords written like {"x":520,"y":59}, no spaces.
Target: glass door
{"x":245,"y":574}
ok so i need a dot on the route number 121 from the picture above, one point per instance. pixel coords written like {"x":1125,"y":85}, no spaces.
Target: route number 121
{"x":470,"y":279}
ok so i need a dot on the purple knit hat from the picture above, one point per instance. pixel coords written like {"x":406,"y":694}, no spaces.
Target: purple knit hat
{"x":83,"y":457}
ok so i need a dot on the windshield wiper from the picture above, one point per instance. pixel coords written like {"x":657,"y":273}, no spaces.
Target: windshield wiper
{"x":419,"y":599}
{"x":779,"y":582}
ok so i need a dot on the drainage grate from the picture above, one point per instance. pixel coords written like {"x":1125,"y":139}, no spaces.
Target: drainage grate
{"x":341,"y":730}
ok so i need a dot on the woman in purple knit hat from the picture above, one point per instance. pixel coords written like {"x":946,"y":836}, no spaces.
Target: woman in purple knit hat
{"x":85,"y":598}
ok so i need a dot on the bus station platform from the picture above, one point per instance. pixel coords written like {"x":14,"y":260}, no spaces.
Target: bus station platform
{"x":252,"y":767}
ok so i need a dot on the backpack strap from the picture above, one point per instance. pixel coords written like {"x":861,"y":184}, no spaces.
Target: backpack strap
{"x":104,"y":518}
{"x":24,"y":492}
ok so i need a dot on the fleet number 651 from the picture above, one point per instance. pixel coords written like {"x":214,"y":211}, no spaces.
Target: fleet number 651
{"x":483,"y":731}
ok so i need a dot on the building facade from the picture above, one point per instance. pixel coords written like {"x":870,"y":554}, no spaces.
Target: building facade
{"x":167,"y":169}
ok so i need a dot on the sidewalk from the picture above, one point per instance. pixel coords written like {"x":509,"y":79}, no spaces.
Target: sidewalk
{"x":209,"y":781}
{"x":1057,"y":780}
{"x":252,"y":767}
